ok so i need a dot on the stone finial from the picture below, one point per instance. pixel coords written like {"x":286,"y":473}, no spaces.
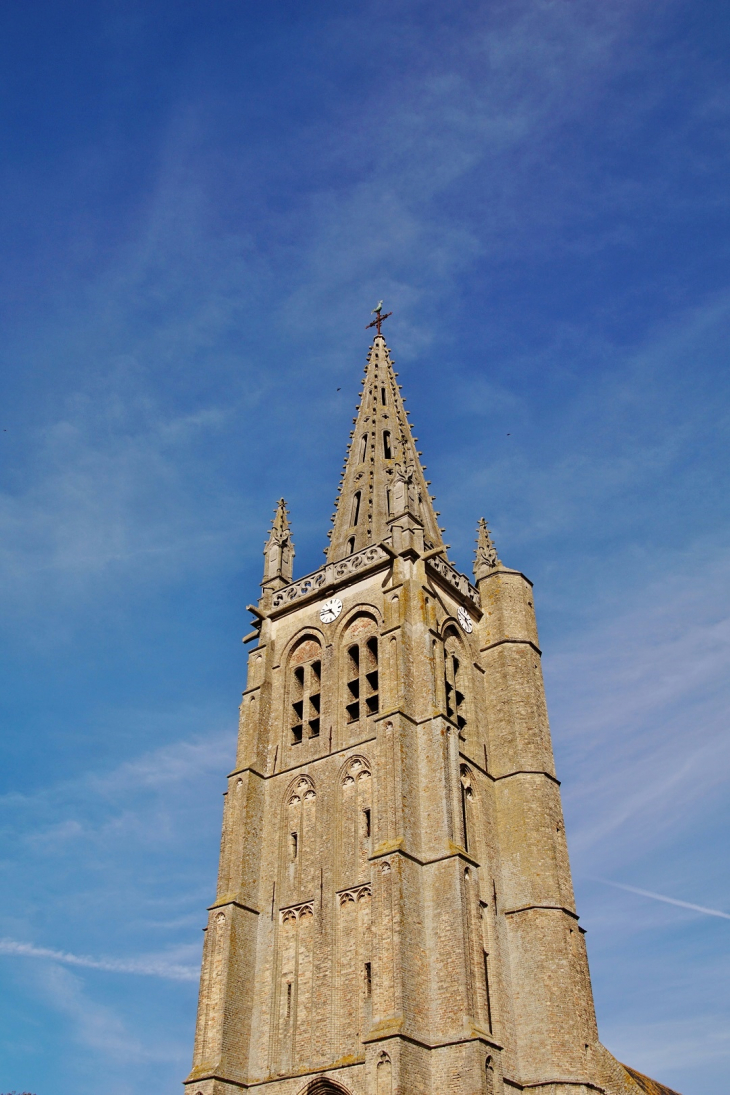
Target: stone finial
{"x":486,"y":554}
{"x":279,"y":549}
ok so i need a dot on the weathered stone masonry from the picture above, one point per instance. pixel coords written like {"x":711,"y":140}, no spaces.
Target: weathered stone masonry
{"x":395,"y":913}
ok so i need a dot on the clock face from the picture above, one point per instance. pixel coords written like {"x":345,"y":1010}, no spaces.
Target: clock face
{"x":465,"y":620}
{"x":330,"y":610}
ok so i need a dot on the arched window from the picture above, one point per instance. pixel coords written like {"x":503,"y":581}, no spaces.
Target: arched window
{"x":455,"y":682}
{"x":387,"y":453}
{"x":363,"y":448}
{"x":354,"y":837}
{"x":356,"y":507}
{"x":305,"y":688}
{"x":351,"y":545}
{"x":361,"y":669}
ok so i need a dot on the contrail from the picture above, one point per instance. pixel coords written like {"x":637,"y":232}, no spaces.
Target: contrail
{"x":661,"y":897}
{"x":149,"y":967}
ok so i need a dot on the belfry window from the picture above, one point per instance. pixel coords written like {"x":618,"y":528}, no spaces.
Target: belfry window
{"x":387,"y":451}
{"x":356,"y":507}
{"x":455,"y":697}
{"x":305,"y":692}
{"x":361,"y":671}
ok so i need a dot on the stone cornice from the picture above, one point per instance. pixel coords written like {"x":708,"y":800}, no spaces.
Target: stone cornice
{"x":393,"y":848}
{"x":225,"y":900}
{"x":334,"y":576}
{"x":330,"y":578}
{"x":547,"y":908}
{"x":304,"y":763}
{"x":527,"y":772}
{"x":476,"y":1037}
{"x":515,"y":642}
{"x":505,"y":570}
{"x":454,"y":581}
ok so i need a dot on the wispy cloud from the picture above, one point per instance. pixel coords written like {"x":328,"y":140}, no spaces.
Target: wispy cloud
{"x":147,"y":966}
{"x":660,"y":897}
{"x":104,"y":1034}
{"x":639,"y":712}
{"x":177,"y":381}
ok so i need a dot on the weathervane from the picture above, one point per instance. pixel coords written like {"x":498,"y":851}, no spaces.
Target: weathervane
{"x":379,"y":317}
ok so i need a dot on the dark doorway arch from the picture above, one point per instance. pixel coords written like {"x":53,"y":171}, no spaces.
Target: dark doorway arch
{"x":323,"y":1086}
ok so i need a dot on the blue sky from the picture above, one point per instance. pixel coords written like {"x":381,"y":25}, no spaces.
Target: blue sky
{"x":201,"y":204}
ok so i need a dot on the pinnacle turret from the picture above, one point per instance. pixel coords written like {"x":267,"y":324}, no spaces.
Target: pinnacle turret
{"x":383,"y":478}
{"x":278,"y":550}
{"x":486,"y":559}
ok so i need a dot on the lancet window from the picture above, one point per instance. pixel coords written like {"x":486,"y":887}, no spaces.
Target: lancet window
{"x":488,"y":998}
{"x":356,"y":508}
{"x":467,"y":796}
{"x":305,"y":691}
{"x":387,"y":450}
{"x":455,"y":682}
{"x":361,"y":669}
{"x":298,"y":842}
{"x":355,"y":823}
{"x":353,"y":964}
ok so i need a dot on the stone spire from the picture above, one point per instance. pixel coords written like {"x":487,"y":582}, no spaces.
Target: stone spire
{"x":486,"y":559}
{"x":383,"y":477}
{"x":278,"y":551}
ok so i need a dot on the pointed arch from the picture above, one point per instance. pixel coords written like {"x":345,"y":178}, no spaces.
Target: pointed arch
{"x":324,"y":1086}
{"x":353,"y":969}
{"x":361,"y":681}
{"x":354,"y":820}
{"x":383,"y":1074}
{"x":456,"y":677}
{"x":298,"y":840}
{"x":301,"y":785}
{"x":355,"y":766}
{"x":303,"y":687}
{"x":348,"y":617}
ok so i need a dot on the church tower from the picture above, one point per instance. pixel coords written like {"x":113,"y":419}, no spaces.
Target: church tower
{"x":395,"y":913}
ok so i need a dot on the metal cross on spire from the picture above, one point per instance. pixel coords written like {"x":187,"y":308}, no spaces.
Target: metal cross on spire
{"x":379,"y":317}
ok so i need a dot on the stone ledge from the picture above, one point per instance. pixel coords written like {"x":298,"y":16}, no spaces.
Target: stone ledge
{"x":511,"y":642}
{"x":548,"y":908}
{"x":527,"y":772}
{"x":381,"y":1037}
{"x":227,"y":899}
